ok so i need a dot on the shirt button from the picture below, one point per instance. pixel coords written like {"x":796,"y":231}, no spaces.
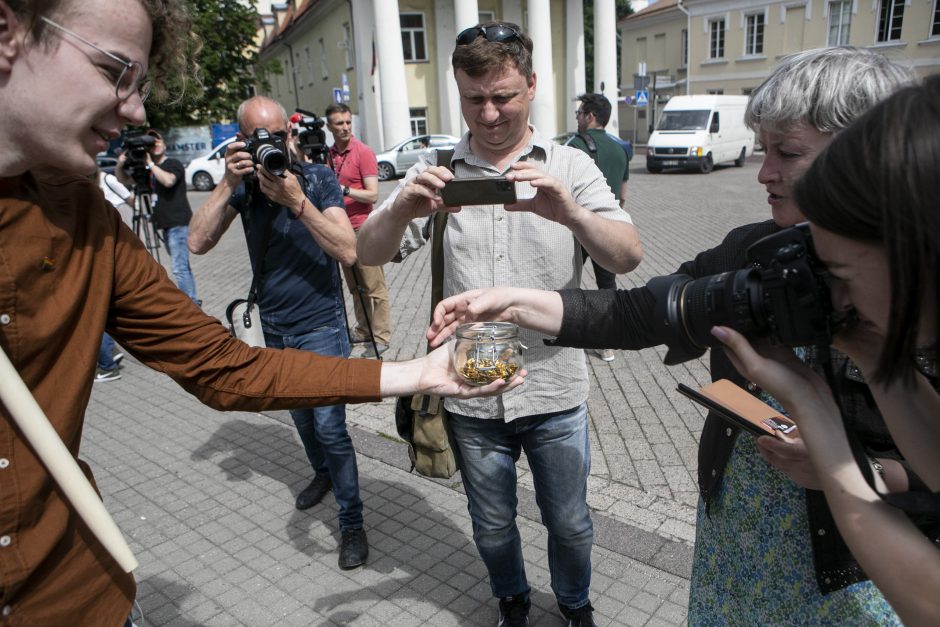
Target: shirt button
{"x":728,"y":432}
{"x":827,"y":580}
{"x":821,"y":532}
{"x":714,"y":472}
{"x":5,"y":318}
{"x":499,"y":257}
{"x":4,"y":463}
{"x":6,"y":610}
{"x":4,"y":540}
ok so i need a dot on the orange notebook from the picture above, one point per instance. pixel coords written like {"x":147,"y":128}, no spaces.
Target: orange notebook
{"x":740,"y":408}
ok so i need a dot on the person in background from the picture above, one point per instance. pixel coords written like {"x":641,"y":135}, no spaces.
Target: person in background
{"x":565,"y":203}
{"x":592,"y":116}
{"x":762,"y":518}
{"x":358,"y":172}
{"x":300,"y":292}
{"x":72,"y":75}
{"x":171,"y":211}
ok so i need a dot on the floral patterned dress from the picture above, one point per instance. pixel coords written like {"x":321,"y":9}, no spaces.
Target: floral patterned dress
{"x":753,"y":560}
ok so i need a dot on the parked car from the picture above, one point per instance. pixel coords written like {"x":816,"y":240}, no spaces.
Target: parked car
{"x":565,"y":138}
{"x":396,"y":161}
{"x":205,"y":172}
{"x":106,"y":163}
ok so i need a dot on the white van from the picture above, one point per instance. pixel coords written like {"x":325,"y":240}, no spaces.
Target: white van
{"x":205,"y":172}
{"x":696,"y":132}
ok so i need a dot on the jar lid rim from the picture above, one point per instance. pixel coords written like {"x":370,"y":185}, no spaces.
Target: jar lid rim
{"x":473,"y":330}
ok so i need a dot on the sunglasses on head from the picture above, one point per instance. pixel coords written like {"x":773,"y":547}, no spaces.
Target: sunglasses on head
{"x":499,"y":34}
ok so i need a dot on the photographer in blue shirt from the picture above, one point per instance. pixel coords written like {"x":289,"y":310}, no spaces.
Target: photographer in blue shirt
{"x":296,"y":229}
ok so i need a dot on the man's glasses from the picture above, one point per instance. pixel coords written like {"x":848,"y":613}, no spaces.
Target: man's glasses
{"x":130,"y":80}
{"x":499,"y":34}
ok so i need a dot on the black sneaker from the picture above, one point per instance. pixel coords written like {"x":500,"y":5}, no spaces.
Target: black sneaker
{"x":353,"y":549}
{"x":581,"y":617}
{"x":314,"y":493}
{"x":106,"y":375}
{"x":514,"y":611}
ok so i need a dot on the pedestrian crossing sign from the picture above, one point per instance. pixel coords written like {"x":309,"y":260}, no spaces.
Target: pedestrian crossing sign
{"x":642,"y":98}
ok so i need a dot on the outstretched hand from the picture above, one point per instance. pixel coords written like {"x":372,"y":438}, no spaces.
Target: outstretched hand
{"x":440,"y":378}
{"x":490,"y":305}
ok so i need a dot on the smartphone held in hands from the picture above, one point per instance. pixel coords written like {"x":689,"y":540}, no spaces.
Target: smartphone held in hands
{"x":740,"y":408}
{"x":481,"y":190}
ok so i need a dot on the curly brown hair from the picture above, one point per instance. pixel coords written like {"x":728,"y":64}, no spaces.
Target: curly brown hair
{"x":173,"y":51}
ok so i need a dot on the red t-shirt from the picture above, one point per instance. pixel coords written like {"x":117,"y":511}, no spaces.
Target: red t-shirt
{"x":351,"y":167}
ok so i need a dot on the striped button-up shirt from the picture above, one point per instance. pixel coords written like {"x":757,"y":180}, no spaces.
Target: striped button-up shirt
{"x":484,"y":246}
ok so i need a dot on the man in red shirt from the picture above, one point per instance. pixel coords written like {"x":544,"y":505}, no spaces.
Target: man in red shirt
{"x":357,"y":170}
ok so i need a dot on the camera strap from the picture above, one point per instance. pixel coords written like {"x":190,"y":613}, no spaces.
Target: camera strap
{"x":261,"y":250}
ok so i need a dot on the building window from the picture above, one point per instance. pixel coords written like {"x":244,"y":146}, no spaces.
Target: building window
{"x":419,"y":121}
{"x":486,"y":16}
{"x":684,"y":59}
{"x":890,"y":16}
{"x":935,"y":28}
{"x":714,"y":92}
{"x":716,"y":38}
{"x":324,"y":70}
{"x":412,"y":37}
{"x":347,"y":45}
{"x":754,"y":35}
{"x":840,"y":17}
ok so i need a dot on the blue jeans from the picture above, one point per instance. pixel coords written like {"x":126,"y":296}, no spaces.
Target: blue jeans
{"x":323,"y":429}
{"x":106,"y":353}
{"x":176,"y":237}
{"x":559,"y":454}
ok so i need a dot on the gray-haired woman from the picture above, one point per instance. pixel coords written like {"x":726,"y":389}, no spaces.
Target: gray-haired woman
{"x":767,"y":550}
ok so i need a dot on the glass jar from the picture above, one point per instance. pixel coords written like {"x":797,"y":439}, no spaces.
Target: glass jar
{"x":487,"y":351}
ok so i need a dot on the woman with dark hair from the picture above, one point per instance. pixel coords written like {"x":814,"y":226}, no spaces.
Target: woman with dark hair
{"x":872,"y":201}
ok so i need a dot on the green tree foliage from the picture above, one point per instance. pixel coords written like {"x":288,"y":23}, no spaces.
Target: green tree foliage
{"x":623,"y":10}
{"x":228,"y":62}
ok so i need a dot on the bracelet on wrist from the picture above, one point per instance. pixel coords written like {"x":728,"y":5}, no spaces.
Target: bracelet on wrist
{"x":303,"y":204}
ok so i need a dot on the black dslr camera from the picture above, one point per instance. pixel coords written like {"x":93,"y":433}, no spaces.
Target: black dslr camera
{"x":783,"y":294}
{"x":311,"y":138}
{"x":136,"y":146}
{"x":268,"y":150}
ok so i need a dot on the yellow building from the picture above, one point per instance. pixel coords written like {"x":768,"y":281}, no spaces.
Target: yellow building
{"x":390,"y":60}
{"x":730,"y":46}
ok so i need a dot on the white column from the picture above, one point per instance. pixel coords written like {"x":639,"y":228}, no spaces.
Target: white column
{"x":605,"y":57}
{"x":542,"y":114}
{"x":574,"y":53}
{"x":467,"y":14}
{"x":367,"y":100}
{"x":512,"y":12}
{"x":449,"y":99}
{"x":391,"y":68}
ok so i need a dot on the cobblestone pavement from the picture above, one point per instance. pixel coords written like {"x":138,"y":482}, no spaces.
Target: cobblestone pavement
{"x":206,"y":498}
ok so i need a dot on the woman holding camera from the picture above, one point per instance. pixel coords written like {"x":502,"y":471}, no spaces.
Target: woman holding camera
{"x":761,"y":519}
{"x":871,"y":199}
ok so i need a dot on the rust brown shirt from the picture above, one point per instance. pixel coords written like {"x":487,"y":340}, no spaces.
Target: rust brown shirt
{"x":69,"y":270}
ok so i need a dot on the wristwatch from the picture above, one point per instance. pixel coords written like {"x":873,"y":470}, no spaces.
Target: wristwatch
{"x":345,"y":190}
